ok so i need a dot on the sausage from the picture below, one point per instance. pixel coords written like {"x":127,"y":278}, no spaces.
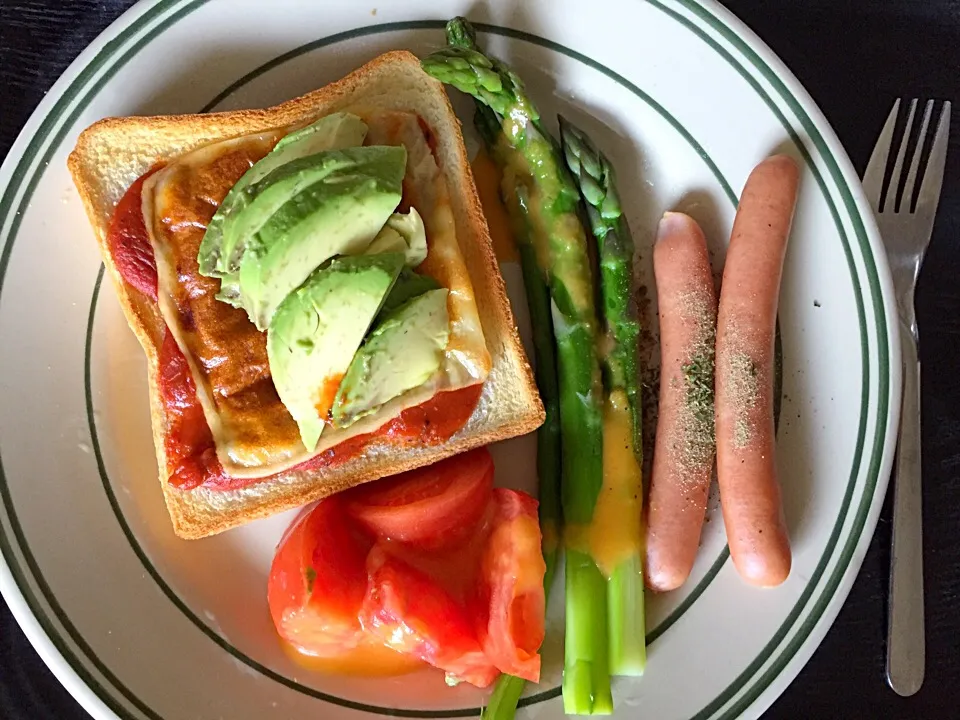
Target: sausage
{"x":684,"y":450}
{"x":746,"y":323}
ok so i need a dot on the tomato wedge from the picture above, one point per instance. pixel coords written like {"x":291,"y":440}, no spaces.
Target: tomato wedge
{"x":439,"y":505}
{"x":318,"y":581}
{"x":510,"y":609}
{"x":412,"y":614}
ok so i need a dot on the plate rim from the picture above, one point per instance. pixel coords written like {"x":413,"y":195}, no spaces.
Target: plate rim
{"x":141,"y":16}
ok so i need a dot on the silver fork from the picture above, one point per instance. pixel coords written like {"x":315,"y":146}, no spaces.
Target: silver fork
{"x":906,"y":232}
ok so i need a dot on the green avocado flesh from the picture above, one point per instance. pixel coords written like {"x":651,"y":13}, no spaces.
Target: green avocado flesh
{"x":317,"y":330}
{"x":338,"y":211}
{"x":220,"y":252}
{"x":403,"y":352}
{"x":402,"y":233}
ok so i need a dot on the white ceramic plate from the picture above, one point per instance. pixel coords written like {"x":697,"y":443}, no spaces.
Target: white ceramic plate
{"x":138,"y":624}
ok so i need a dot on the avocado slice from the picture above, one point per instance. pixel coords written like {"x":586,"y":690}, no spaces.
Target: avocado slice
{"x":266,"y":197}
{"x":402,"y":233}
{"x":317,"y":329}
{"x":402,"y":353}
{"x":338,"y":130}
{"x":350,"y":197}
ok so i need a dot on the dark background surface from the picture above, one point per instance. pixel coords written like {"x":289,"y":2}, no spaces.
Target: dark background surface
{"x":854,"y":57}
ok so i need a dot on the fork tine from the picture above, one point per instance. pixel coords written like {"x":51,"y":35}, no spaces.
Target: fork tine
{"x":906,"y":200}
{"x":873,"y":177}
{"x":891,"y":194}
{"x":933,"y":177}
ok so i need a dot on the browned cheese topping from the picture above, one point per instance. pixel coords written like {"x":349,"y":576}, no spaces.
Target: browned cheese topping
{"x":230,"y":351}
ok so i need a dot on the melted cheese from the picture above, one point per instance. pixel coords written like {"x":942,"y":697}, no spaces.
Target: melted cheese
{"x":487,"y":177}
{"x":253,"y":432}
{"x":366,"y":660}
{"x":613,"y":534}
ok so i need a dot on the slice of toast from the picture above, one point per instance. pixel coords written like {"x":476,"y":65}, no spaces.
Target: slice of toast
{"x":112,"y":153}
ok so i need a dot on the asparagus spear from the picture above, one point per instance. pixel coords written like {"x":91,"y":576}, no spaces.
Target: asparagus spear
{"x":538,"y":300}
{"x":595,"y":176}
{"x":461,"y":33}
{"x":502,"y":704}
{"x":506,"y":693}
{"x":560,"y":247}
{"x":598,"y":188}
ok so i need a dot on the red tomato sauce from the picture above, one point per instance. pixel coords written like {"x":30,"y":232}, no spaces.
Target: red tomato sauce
{"x":129,"y":243}
{"x":188,"y":443}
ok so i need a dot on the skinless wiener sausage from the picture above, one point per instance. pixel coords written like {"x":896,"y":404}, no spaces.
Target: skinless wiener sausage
{"x":746,"y":323}
{"x":684,"y":451}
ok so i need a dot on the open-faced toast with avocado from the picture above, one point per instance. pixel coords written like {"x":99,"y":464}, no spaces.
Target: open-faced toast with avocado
{"x":314,"y":288}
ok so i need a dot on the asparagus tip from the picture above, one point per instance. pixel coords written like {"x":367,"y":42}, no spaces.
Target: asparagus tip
{"x":461,"y":33}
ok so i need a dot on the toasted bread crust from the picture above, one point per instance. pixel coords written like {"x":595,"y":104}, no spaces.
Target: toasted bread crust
{"x":113,"y":152}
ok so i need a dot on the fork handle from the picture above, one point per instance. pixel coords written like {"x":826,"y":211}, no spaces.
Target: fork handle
{"x":905,"y":630}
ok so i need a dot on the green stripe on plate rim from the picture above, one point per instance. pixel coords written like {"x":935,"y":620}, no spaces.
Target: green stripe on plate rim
{"x":849,"y":204}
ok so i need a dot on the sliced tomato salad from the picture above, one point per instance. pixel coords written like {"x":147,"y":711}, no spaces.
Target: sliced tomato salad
{"x":435,"y":564}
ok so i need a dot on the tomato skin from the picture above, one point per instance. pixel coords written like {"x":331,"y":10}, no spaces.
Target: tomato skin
{"x":436,"y":506}
{"x":412,"y":614}
{"x":318,"y":581}
{"x":510,"y":598}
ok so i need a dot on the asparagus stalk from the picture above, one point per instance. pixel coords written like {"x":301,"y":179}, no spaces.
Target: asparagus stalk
{"x":598,"y":188}
{"x":538,"y":300}
{"x":462,"y":34}
{"x":561,"y":251}
{"x":502,"y":704}
{"x":595,"y":178}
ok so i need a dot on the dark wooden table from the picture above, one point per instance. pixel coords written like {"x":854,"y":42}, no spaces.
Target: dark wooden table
{"x":855,"y":57}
